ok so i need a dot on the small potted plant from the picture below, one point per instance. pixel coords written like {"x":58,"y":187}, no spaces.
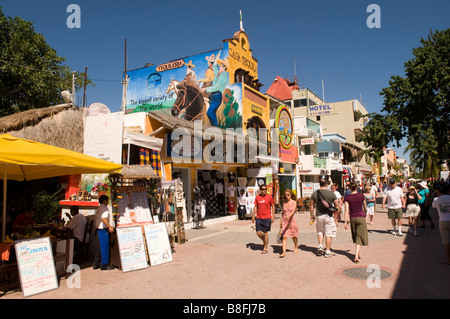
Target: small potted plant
{"x":100,"y":188}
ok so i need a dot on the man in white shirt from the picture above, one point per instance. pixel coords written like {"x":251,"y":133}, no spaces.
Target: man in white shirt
{"x":101,"y":259}
{"x":395,"y":200}
{"x":77,"y":222}
{"x":442,"y":204}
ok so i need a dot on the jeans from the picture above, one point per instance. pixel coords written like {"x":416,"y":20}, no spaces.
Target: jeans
{"x":214,"y":102}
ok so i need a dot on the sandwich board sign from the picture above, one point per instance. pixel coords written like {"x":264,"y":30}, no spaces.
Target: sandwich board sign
{"x":158,"y":245}
{"x":36,"y":265}
{"x":131,"y":248}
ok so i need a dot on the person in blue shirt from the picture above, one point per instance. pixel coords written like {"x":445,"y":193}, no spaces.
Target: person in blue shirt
{"x":424,"y":204}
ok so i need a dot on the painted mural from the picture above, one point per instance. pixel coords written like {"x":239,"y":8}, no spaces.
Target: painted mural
{"x":192,"y":88}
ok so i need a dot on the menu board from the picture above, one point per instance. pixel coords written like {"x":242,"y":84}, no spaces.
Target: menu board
{"x":133,"y":209}
{"x":36,"y":265}
{"x":158,"y":245}
{"x":131,"y":248}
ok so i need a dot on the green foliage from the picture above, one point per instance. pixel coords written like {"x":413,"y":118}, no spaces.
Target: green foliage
{"x":32,"y":75}
{"x":417,"y":106}
{"x":46,"y":206}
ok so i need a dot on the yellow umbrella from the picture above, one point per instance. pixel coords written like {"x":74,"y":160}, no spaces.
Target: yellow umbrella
{"x":22,"y":159}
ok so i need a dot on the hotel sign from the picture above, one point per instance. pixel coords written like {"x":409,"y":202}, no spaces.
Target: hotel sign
{"x":319,"y":110}
{"x":307,"y":141}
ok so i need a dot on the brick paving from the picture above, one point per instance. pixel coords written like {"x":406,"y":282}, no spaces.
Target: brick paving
{"x":223,"y":261}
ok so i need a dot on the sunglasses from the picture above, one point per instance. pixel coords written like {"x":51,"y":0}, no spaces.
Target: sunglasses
{"x":263,"y":189}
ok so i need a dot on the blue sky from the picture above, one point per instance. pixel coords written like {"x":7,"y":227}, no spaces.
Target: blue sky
{"x":329,"y":40}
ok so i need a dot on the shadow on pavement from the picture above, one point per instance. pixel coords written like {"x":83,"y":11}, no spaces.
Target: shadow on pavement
{"x":423,"y":274}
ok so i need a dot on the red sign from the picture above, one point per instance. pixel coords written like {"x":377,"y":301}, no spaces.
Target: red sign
{"x":289,"y":155}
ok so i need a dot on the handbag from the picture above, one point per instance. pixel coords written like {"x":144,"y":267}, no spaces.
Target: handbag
{"x":330,"y":208}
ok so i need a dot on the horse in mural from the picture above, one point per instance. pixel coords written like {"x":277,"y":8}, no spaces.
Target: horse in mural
{"x":173,"y":86}
{"x":190,"y":102}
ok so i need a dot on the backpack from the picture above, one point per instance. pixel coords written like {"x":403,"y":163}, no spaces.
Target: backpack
{"x":329,"y":207}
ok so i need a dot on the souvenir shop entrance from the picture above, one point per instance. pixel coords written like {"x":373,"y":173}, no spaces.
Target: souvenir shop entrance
{"x":184,"y":174}
{"x":212,"y":185}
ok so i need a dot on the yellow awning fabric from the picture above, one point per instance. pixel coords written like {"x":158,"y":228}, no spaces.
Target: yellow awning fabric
{"x":27,"y":160}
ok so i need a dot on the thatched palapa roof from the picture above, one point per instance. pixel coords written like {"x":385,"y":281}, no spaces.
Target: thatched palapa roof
{"x":137,"y":172}
{"x":59,"y":125}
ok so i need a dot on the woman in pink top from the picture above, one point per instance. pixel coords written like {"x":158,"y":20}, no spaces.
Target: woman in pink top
{"x":355,"y":212}
{"x":288,"y":225}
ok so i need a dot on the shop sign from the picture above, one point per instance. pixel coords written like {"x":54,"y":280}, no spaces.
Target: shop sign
{"x":289,"y":155}
{"x":36,"y":265}
{"x":170,"y":66}
{"x":131,"y":248}
{"x":307,"y":189}
{"x":285,"y":126}
{"x":158,"y":245}
{"x":257,"y":110}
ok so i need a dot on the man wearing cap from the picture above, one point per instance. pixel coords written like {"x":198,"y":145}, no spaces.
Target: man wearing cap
{"x":219,"y":83}
{"x":395,"y":200}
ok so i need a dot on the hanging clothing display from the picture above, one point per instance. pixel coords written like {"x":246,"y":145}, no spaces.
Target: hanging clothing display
{"x":199,"y":207}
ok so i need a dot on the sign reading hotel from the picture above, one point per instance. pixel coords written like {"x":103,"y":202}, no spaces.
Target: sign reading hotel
{"x":320,"y":110}
{"x":285,"y":126}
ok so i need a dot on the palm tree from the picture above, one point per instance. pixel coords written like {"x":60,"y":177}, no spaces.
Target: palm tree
{"x":424,"y":155}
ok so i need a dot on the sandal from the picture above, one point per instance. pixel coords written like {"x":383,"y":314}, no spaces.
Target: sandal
{"x":356,"y":261}
{"x":264,"y":252}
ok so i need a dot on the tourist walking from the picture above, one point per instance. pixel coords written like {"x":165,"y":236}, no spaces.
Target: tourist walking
{"x":370,"y":197}
{"x":412,"y":209}
{"x":325,"y":220}
{"x":264,"y":215}
{"x":395,"y":200}
{"x":355,"y":213}
{"x":442,"y":204}
{"x":288,"y":225}
{"x":424,"y":204}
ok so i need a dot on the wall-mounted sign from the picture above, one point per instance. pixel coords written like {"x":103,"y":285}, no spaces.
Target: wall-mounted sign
{"x":257,"y":109}
{"x":307,"y":141}
{"x":170,"y":65}
{"x":285,"y":126}
{"x":318,"y":110}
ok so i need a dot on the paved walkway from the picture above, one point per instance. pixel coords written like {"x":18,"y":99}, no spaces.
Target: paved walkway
{"x":224,"y":261}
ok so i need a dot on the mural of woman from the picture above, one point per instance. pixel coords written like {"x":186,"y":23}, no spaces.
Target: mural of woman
{"x":218,"y":86}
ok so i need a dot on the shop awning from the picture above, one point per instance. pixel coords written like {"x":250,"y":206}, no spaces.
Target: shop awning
{"x":137,"y":172}
{"x":142,"y":140}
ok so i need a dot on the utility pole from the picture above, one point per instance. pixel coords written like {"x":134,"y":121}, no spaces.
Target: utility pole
{"x":85,"y":80}
{"x":73,"y":89}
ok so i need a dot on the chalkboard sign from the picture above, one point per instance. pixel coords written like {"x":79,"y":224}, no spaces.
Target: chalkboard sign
{"x":131,"y":248}
{"x":158,"y":244}
{"x":36,"y":265}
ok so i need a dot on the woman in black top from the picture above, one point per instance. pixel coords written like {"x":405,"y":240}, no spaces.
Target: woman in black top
{"x":412,"y":209}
